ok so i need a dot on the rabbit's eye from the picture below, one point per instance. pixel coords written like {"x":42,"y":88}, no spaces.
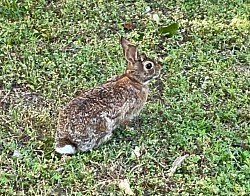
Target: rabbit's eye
{"x":148,"y":65}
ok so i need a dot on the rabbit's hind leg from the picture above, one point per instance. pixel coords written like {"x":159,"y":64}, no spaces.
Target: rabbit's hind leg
{"x":87,"y":146}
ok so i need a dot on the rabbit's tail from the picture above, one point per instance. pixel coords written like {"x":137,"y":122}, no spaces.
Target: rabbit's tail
{"x":64,"y":146}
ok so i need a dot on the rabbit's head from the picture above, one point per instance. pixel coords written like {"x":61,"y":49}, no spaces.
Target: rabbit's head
{"x":140,"y":68}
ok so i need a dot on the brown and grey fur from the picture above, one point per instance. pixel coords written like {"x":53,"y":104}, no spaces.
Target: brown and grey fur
{"x":89,"y":119}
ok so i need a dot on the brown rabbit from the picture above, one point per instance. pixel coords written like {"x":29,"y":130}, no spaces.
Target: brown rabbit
{"x":89,"y":119}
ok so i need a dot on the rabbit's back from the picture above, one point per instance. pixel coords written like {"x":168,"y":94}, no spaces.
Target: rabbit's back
{"x":89,"y":119}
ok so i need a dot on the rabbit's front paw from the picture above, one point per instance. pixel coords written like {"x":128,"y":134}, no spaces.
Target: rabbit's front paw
{"x":125,"y":124}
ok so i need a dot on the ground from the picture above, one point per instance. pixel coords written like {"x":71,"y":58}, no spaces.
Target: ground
{"x":51,"y":50}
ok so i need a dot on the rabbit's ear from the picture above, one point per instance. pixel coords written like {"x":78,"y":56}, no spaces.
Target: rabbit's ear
{"x":129,"y":50}
{"x":131,"y":54}
{"x":125,"y":43}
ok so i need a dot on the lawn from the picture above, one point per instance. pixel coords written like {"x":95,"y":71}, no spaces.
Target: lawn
{"x":199,"y":107}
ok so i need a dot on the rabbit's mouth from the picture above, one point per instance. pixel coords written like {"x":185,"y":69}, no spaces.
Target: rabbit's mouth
{"x":156,"y":75}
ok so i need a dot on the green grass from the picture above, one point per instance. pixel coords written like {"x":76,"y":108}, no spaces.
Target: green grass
{"x":51,"y":50}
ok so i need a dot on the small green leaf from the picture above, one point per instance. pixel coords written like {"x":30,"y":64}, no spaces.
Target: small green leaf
{"x":140,"y":35}
{"x":170,"y":30}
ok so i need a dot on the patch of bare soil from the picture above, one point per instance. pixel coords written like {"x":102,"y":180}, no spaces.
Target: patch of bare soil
{"x":243,"y":68}
{"x":24,"y":116}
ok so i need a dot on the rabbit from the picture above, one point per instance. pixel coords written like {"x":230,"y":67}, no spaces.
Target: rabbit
{"x":89,"y":119}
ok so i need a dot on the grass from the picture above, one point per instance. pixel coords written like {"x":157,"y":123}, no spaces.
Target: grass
{"x":51,"y":50}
